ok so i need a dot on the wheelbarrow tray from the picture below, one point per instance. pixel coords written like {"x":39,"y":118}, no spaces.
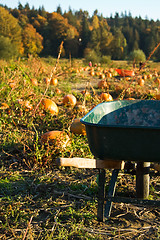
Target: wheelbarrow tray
{"x":124,"y":130}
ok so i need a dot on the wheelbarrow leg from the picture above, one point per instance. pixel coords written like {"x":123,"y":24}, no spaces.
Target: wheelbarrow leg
{"x":142,"y":179}
{"x":111,"y":192}
{"x":101,"y":195}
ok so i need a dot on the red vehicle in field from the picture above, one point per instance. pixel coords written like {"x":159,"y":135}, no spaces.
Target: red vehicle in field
{"x":125,"y":72}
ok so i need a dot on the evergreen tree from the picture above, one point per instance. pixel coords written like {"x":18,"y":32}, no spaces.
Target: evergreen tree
{"x":42,"y":12}
{"x":136,"y":40}
{"x":118,"y":45}
{"x":59,"y":10}
{"x":72,"y":19}
{"x":84,"y":34}
{"x":15,"y":12}
{"x":27,"y":7}
{"x":149,"y":44}
{"x":20,"y":6}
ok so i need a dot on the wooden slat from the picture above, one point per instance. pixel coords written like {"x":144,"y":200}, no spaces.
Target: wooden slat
{"x":90,"y":163}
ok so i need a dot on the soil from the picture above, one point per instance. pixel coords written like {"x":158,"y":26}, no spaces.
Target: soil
{"x":83,"y":85}
{"x":130,"y":221}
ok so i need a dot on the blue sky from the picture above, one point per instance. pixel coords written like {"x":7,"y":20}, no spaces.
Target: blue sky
{"x":143,"y":8}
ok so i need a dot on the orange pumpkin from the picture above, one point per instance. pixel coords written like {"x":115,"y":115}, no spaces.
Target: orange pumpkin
{"x":102,"y":84}
{"x":59,"y":138}
{"x":58,"y":91}
{"x":86,"y":68}
{"x":106,"y":97}
{"x":144,"y":77}
{"x":34,"y":81}
{"x":149,"y":76}
{"x":92,"y":73}
{"x":69,"y":100}
{"x":157,"y":97}
{"x":4,"y":106}
{"x":128,"y":78}
{"x":54,"y":81}
{"x":50,"y":106}
{"x":141,"y":82}
{"x":28,"y":105}
{"x":130,"y":98}
{"x":109,"y":75}
{"x":97,"y":73}
{"x":25,"y":104}
{"x":47,"y":80}
{"x":12,"y":84}
{"x":102,"y":76}
{"x":77,"y":127}
{"x":111,"y":70}
{"x":85,"y":92}
{"x":157,"y":80}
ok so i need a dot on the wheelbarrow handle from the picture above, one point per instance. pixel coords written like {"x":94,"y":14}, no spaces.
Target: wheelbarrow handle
{"x":89,"y":163}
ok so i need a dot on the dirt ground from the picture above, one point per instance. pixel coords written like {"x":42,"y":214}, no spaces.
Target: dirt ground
{"x":129,"y":221}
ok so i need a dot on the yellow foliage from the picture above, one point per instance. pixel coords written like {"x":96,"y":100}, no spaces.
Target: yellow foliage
{"x":32,"y":40}
{"x":9,"y":27}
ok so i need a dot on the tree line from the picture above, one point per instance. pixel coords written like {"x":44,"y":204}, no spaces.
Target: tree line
{"x":28,"y":31}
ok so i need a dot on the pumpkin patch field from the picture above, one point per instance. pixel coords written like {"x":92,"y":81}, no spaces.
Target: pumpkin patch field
{"x":41,"y":104}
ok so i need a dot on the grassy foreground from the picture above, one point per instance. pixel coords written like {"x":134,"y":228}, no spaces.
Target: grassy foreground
{"x":38,"y":199}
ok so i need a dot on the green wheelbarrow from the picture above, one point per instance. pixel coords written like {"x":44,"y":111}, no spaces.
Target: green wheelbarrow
{"x":126,"y":130}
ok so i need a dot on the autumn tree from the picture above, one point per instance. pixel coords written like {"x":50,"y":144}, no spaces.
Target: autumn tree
{"x":101,"y":36}
{"x":23,"y":20}
{"x":95,"y":38}
{"x":32,"y":40}
{"x":11,"y":32}
{"x":106,"y":37}
{"x":58,"y":30}
{"x":39,"y":23}
{"x":72,"y":19}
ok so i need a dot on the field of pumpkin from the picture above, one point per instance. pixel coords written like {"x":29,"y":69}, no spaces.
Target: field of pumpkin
{"x":41,"y":104}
